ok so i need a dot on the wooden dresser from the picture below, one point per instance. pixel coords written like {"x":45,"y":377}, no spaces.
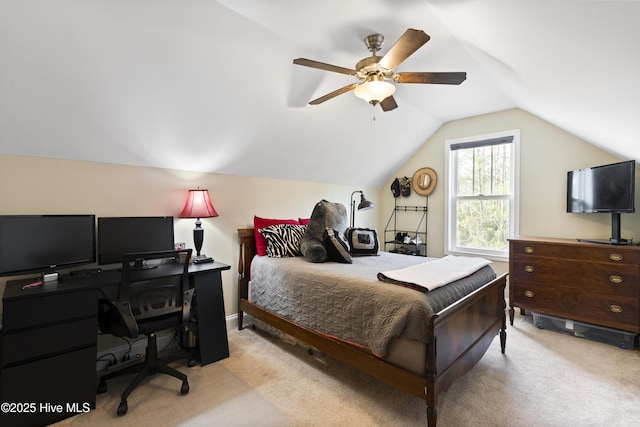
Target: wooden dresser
{"x":588,"y":282}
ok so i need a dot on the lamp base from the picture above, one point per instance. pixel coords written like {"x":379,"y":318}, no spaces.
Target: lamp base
{"x":201,"y":259}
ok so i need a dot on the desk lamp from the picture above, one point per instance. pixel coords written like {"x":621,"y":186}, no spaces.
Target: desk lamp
{"x":362,"y":206}
{"x":198,"y":206}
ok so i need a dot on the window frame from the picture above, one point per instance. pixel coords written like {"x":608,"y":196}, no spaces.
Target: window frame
{"x":450,"y":247}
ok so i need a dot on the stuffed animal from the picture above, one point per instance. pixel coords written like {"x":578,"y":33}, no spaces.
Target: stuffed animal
{"x":325,"y":215}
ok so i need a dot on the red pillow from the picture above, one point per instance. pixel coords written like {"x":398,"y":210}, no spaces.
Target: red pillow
{"x":258,"y":223}
{"x":304,"y":221}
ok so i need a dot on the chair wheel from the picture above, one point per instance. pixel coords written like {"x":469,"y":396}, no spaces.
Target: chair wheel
{"x":122,"y":408}
{"x":185,"y":388}
{"x":102,"y":387}
{"x":191,"y":363}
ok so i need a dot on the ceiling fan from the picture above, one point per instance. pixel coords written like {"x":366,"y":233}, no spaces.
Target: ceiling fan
{"x":374,"y":72}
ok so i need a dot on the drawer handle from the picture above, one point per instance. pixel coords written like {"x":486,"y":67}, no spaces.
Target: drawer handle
{"x":615,"y":308}
{"x":528,"y":249}
{"x":529,"y":294}
{"x":616,"y":279}
{"x":615,"y":257}
{"x":529,"y":268}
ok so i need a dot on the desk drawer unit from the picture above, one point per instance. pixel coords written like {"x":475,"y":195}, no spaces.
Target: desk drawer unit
{"x":48,"y":355}
{"x":59,"y":387}
{"x":49,"y":340}
{"x":593,"y":283}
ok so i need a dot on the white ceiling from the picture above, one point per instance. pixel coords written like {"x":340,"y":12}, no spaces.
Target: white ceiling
{"x":208,"y":85}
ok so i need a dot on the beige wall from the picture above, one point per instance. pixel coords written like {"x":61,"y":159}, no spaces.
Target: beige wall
{"x":546,"y":154}
{"x":31,"y":185}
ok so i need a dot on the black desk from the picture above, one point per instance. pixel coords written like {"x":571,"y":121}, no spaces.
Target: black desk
{"x":49,"y":337}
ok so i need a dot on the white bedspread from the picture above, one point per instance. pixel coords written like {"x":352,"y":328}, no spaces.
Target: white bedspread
{"x":433,"y":274}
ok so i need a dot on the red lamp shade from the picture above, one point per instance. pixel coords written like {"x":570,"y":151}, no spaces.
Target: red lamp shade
{"x":198,"y":205}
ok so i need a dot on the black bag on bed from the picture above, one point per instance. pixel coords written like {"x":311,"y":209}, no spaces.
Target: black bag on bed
{"x":362,"y":241}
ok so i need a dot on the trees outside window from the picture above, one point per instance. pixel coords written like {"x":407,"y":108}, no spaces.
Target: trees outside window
{"x":482,"y":200}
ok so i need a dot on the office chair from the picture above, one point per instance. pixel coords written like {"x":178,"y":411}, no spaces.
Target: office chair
{"x":147,"y":303}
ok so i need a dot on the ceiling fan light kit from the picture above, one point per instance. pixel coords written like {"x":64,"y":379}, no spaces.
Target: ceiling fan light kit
{"x":374,"y":90}
{"x":374,"y":71}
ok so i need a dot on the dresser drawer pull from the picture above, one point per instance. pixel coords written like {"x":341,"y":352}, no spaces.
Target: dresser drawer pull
{"x":615,"y":308}
{"x":615,"y":257}
{"x":529,"y":268}
{"x":528,"y":250}
{"x":529,"y":294}
{"x":616,"y":279}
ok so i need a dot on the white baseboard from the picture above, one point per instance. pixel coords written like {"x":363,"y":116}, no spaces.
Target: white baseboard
{"x":232,"y":322}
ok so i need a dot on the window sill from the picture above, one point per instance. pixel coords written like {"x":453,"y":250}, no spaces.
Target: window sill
{"x":472,"y":253}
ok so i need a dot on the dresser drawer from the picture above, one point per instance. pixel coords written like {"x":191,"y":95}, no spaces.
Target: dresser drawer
{"x":589,"y":276}
{"x":616,"y":311}
{"x":43,"y":309}
{"x":582,"y":252}
{"x":35,"y":343}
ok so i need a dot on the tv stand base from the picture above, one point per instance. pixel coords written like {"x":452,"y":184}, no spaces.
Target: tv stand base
{"x":621,"y":242}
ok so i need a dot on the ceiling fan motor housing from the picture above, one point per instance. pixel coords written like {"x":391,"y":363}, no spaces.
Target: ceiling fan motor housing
{"x":369,"y":66}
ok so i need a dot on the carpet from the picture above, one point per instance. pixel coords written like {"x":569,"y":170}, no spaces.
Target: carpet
{"x":544,"y":379}
{"x":217,"y":397}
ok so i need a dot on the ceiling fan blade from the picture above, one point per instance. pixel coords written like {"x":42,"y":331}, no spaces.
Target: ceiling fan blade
{"x":334,"y":94}
{"x":433,"y":78}
{"x":323,"y":66}
{"x":408,"y":43}
{"x":388,"y":104}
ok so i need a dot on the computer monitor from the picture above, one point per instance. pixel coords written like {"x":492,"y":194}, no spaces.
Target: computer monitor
{"x":121,"y":235}
{"x":45,"y":243}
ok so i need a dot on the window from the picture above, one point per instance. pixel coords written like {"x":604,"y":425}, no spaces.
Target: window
{"x":482,"y":201}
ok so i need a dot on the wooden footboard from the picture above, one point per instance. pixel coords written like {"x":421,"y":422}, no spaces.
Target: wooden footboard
{"x":458,"y":336}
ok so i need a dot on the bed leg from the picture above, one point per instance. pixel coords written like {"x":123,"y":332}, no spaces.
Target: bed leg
{"x":503,"y":329}
{"x":240,"y":318}
{"x":432,"y":415}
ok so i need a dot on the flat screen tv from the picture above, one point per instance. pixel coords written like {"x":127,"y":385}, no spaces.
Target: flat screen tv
{"x":122,"y":235}
{"x":603,"y":189}
{"x":45,"y":243}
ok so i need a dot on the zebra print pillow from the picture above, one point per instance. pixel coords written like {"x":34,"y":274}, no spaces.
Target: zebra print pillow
{"x":283,"y":240}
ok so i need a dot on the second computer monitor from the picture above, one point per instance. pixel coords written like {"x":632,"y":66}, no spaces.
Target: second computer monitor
{"x":121,"y":235}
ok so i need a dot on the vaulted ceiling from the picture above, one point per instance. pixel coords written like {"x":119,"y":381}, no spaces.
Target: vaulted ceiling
{"x":209,"y":86}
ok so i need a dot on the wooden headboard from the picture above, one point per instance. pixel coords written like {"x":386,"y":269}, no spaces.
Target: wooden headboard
{"x":247,"y":242}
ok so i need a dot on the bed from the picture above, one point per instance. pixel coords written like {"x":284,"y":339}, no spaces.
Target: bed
{"x":433,"y":346}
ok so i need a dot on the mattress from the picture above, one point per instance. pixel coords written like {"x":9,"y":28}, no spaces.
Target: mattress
{"x":349,"y":302}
